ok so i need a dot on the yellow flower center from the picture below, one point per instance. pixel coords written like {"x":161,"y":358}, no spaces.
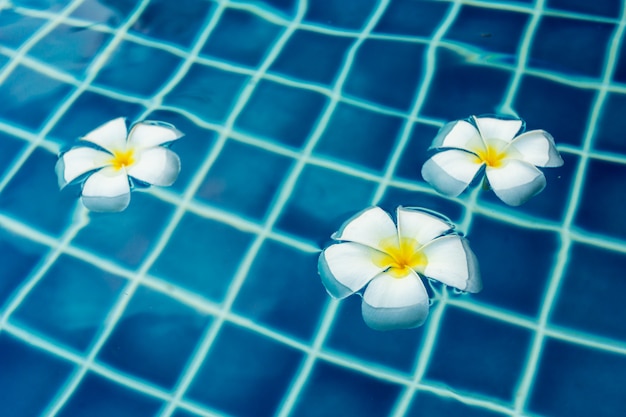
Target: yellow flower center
{"x":122,"y":159}
{"x":492,"y":156}
{"x":400,"y":256}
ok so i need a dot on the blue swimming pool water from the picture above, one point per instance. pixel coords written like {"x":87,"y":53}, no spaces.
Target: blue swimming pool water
{"x":202,"y":299}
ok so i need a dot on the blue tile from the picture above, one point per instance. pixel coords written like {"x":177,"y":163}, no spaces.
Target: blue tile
{"x":177,"y":22}
{"x":348,"y":14}
{"x":321,"y":201}
{"x":619,"y":74}
{"x":332,"y":390}
{"x":207,"y":92}
{"x":244,"y":374}
{"x":553,"y":201}
{"x":129,"y":236}
{"x":584,"y":57}
{"x":282,"y":291}
{"x":490,"y":30}
{"x":100,"y":397}
{"x":137,"y":70}
{"x":601,"y":204}
{"x":244,"y":179}
{"x":185,"y":413}
{"x":110,"y":12}
{"x":241,"y":37}
{"x":512,"y":2}
{"x":281,"y":113}
{"x":70,"y":50}
{"x":29,"y":379}
{"x":591,"y":295}
{"x":17,"y":29}
{"x":478,"y":355}
{"x":88,"y":112}
{"x":564,"y":114}
{"x":428,"y":404}
{"x":351,"y":336}
{"x":503,"y":252}
{"x":607,"y":8}
{"x":460,"y":89}
{"x":154,"y":338}
{"x":386,"y":72}
{"x":33,"y":97}
{"x":355,"y":135}
{"x":202,"y":255}
{"x":395,"y":197}
{"x":11,"y":146}
{"x":192,"y":148}
{"x":416,"y":152}
{"x":18,"y":257}
{"x":410,"y":17}
{"x":608,"y":131}
{"x":575,"y":380}
{"x":36,"y":184}
{"x":50,"y":5}
{"x":284,"y":7}
{"x":312,"y":56}
{"x":70,"y":303}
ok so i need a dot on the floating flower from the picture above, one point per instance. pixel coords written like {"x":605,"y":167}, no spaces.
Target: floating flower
{"x":510,"y":162}
{"x":114,"y":160}
{"x":390,"y":262}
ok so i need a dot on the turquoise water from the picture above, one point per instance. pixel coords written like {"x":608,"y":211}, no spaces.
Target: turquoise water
{"x":203,"y":299}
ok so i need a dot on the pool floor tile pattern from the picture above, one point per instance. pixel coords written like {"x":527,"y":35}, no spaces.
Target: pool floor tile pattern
{"x":202,"y":299}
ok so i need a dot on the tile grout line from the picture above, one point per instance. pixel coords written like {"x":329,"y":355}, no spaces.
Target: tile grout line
{"x":532,"y":365}
{"x":523,"y":54}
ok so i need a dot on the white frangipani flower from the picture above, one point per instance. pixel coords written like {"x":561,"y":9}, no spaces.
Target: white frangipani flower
{"x":113,"y":158}
{"x":510,"y":162}
{"x":390,"y":262}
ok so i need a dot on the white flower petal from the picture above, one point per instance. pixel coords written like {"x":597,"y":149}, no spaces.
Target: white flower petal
{"x":458,"y":134}
{"x":78,"y":161}
{"x":391,"y":303}
{"x":110,"y":136}
{"x":452,"y":262}
{"x":370,"y":227}
{"x":151,"y":133}
{"x":450,"y":171}
{"x":156,"y":166}
{"x":421,"y":225}
{"x":537,"y":147}
{"x":515,"y":181}
{"x":106,"y":190}
{"x":346,"y":267}
{"x":501,"y":129}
